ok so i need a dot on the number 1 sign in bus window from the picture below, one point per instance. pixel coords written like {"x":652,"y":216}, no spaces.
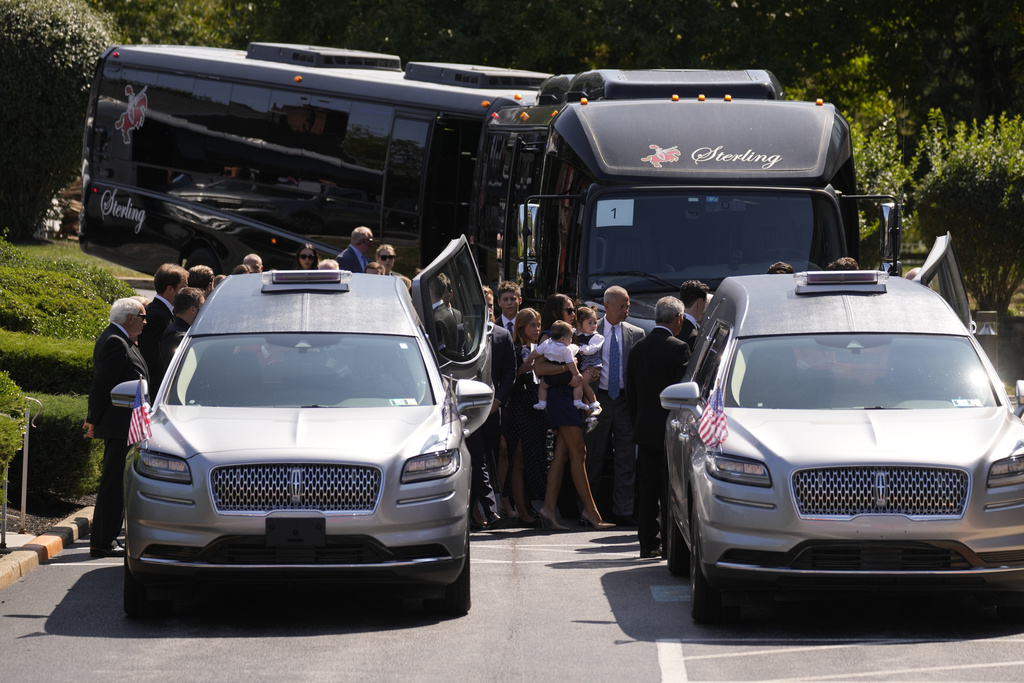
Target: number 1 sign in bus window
{"x":614,"y":212}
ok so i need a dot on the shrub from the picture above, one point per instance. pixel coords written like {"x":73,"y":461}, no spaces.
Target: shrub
{"x":50,"y":366}
{"x":60,"y":461}
{"x":55,"y":298}
{"x":48,"y":49}
{"x":12,"y":422}
{"x":974,"y":189}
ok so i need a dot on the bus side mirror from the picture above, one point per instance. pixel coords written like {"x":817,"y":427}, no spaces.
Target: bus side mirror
{"x":527,"y":219}
{"x":889,"y":237}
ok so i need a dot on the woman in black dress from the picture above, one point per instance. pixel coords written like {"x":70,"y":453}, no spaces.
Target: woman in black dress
{"x":569,"y":445}
{"x":525,"y":428}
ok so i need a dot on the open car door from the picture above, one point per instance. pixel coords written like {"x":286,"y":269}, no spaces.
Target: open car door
{"x":448,"y":295}
{"x":941,"y":271}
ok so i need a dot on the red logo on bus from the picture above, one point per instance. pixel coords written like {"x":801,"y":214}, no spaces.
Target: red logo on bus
{"x":134,"y":115}
{"x":662,"y":156}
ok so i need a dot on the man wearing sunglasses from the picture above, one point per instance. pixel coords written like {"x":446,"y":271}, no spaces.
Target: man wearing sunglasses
{"x":355,"y":258}
{"x":115,"y":359}
{"x":187,"y":303}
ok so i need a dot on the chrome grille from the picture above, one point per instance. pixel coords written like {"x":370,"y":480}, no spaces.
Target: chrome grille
{"x":911,"y":491}
{"x":298,"y":486}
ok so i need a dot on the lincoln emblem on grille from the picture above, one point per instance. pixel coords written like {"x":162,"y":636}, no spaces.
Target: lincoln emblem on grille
{"x":881,"y":489}
{"x":296,"y":486}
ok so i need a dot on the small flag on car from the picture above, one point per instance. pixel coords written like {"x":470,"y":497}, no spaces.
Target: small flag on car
{"x":139,"y":428}
{"x":713,"y":427}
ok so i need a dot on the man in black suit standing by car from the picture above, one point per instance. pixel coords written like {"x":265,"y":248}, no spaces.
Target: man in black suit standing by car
{"x":169,"y":278}
{"x":485,"y":442}
{"x":658,"y":360}
{"x":187,"y":303}
{"x":694,"y":294}
{"x":115,"y":359}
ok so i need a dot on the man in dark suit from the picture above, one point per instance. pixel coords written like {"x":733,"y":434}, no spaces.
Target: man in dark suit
{"x":169,"y":278}
{"x":115,"y":359}
{"x":187,"y":303}
{"x":658,"y":360}
{"x":485,"y":442}
{"x":614,"y":428}
{"x":694,"y":295}
{"x":355,"y":257}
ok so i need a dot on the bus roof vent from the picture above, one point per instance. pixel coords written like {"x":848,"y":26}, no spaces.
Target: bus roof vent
{"x":472,"y":76}
{"x":323,"y":57}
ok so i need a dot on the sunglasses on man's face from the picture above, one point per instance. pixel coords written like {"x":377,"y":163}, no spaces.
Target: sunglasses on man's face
{"x":386,"y":257}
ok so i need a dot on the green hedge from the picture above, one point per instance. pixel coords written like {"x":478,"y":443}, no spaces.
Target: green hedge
{"x":12,"y":421}
{"x":60,"y":461}
{"x":55,"y":298}
{"x":42,"y":364}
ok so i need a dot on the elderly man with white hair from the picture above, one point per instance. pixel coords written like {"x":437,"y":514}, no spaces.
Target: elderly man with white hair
{"x":355,"y":257}
{"x":115,"y":359}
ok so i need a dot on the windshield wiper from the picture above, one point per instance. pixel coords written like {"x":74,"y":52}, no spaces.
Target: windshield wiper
{"x":635,"y":273}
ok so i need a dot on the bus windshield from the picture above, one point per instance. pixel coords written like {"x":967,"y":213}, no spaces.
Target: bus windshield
{"x":650,"y":241}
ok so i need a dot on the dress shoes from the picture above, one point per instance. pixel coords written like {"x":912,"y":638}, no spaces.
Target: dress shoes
{"x":115,"y":550}
{"x":625,"y":520}
{"x":648,"y":553}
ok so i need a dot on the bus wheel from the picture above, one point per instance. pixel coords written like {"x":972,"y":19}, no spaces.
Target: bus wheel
{"x":203,"y":256}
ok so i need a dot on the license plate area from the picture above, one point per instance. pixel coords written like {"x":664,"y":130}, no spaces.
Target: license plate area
{"x":296,"y":532}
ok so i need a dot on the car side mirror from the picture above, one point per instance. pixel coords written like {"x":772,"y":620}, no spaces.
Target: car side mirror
{"x":682,"y":396}
{"x":123,"y":395}
{"x":473,"y":401}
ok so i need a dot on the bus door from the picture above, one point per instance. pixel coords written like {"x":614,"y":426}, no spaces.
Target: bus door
{"x":401,"y":224}
{"x":524,"y":173}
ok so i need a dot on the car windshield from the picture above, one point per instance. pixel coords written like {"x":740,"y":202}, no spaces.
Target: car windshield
{"x":858,"y":372}
{"x":301,"y":370}
{"x":657,"y":240}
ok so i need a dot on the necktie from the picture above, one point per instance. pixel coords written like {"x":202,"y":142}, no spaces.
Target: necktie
{"x":613,"y":366}
{"x":509,"y":327}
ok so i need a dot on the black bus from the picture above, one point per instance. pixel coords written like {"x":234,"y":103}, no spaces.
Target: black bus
{"x":646,"y":179}
{"x":202,"y":155}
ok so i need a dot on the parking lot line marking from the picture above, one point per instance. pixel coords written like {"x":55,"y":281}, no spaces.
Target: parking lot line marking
{"x":889,"y":673}
{"x":671,"y":661}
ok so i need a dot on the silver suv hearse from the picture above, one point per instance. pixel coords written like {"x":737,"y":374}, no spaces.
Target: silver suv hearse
{"x":868,"y":445}
{"x":312,"y":426}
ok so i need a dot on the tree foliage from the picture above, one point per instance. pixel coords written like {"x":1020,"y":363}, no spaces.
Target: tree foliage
{"x":48,"y":49}
{"x":974,"y":189}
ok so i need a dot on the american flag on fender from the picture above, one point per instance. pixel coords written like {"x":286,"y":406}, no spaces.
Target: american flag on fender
{"x":713,"y":427}
{"x":139,"y":428}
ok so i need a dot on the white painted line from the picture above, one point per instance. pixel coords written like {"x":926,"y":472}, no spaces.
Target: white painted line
{"x":890,"y":673}
{"x":671,"y":661}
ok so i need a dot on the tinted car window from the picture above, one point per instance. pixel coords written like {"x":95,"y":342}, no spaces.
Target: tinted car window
{"x":301,"y":369}
{"x":858,"y":371}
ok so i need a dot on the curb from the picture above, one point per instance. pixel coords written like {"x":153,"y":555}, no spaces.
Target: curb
{"x":43,"y":547}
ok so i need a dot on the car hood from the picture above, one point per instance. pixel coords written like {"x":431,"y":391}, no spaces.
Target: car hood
{"x":956,"y":436}
{"x":342,"y":432}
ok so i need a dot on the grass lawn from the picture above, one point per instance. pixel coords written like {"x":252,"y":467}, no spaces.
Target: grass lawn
{"x":67,"y":250}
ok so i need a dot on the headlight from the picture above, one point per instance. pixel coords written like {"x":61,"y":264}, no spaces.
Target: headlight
{"x":431,"y":466}
{"x":163,"y":467}
{"x":1006,"y":472}
{"x":738,"y":470}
